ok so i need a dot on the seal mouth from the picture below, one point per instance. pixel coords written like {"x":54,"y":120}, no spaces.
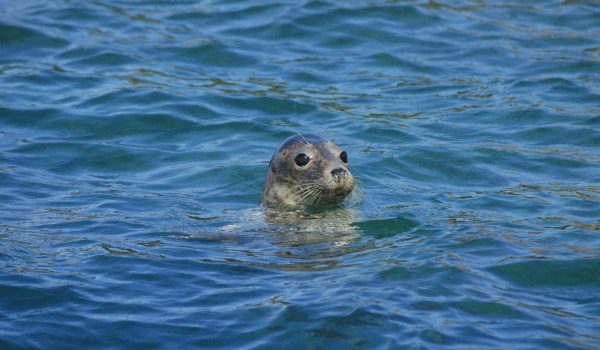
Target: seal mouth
{"x":314,"y":193}
{"x":308,"y":170}
{"x":333,"y":197}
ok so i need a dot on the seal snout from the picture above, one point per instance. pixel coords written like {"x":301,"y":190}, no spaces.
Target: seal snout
{"x":339,"y":174}
{"x":308,"y":170}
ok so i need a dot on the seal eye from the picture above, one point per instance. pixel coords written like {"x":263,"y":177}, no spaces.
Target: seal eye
{"x":302,"y":159}
{"x":344,"y":157}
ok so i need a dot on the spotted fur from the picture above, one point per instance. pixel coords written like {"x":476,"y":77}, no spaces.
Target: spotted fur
{"x":325,"y":180}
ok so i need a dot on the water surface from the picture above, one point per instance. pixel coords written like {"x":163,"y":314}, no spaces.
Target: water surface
{"x":135,"y":136}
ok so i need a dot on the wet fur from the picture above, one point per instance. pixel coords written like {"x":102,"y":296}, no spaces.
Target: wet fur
{"x":287,"y":184}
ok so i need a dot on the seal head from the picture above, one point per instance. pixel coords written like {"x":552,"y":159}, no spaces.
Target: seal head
{"x":307,"y":170}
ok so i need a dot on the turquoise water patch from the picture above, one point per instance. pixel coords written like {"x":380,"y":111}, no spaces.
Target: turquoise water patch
{"x":385,"y":227}
{"x":551,"y":273}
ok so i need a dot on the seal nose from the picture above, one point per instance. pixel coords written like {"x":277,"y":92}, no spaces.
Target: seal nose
{"x":339,"y":174}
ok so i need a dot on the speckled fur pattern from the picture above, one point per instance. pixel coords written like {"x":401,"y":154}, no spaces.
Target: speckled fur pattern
{"x":288,"y":184}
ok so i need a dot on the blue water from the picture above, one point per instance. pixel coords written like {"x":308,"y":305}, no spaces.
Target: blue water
{"x":135,"y":136}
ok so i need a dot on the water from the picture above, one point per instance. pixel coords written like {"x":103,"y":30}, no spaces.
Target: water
{"x":134,"y":139}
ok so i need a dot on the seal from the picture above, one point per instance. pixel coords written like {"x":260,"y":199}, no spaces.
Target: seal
{"x":307,"y":170}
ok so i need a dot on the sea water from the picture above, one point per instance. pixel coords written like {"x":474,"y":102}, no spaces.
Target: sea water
{"x":135,"y":137}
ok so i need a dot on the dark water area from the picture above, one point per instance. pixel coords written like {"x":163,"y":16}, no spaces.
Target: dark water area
{"x":135,"y":137}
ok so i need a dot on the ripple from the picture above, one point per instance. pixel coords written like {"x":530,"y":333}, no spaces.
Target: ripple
{"x":276,"y":32}
{"x":385,"y":59}
{"x":386,"y":227}
{"x":404,"y":14}
{"x":214,"y":54}
{"x":110,"y":59}
{"x":20,"y":40}
{"x":129,"y":97}
{"x":266,"y":105}
{"x":573,"y":273}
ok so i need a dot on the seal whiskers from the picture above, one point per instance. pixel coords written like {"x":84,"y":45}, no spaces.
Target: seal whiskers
{"x":307,"y":170}
{"x":307,"y":192}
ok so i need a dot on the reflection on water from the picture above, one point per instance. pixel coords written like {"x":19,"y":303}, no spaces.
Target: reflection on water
{"x":292,"y":239}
